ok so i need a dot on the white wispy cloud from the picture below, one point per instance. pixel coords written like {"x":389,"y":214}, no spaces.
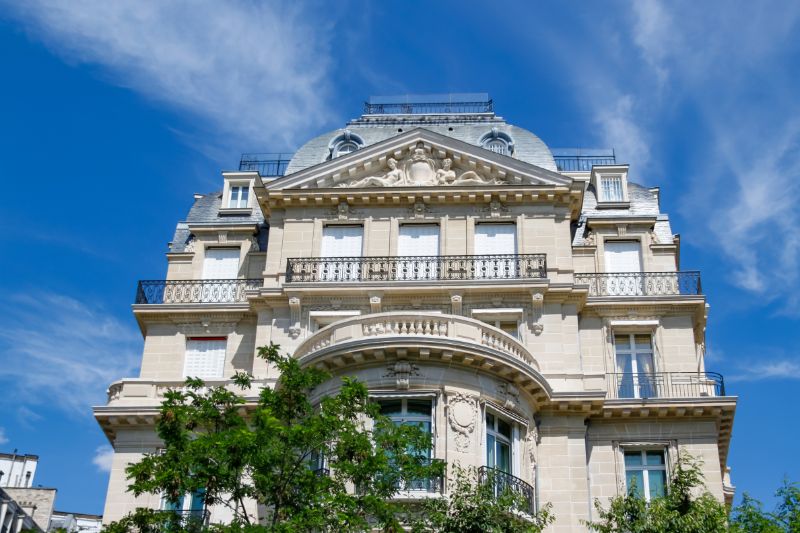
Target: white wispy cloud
{"x":103,"y":458}
{"x":61,"y":352}
{"x":785,"y":369}
{"x":3,"y":438}
{"x":254,"y":73}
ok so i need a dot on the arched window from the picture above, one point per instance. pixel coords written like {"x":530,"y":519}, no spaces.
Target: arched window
{"x":345,"y":143}
{"x":498,"y":142}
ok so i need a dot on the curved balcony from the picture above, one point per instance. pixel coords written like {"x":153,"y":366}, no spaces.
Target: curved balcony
{"x":448,"y":338}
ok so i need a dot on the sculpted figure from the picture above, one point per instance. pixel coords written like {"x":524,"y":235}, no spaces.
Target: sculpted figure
{"x":392,"y":178}
{"x":445,"y":175}
{"x":470,"y":177}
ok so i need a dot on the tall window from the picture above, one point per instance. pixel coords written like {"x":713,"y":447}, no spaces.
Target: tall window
{"x":205,"y":357}
{"x":646,"y":470}
{"x":344,"y":242}
{"x":635,"y":372}
{"x":495,"y":240}
{"x":413,"y":412}
{"x":221,"y":263}
{"x":498,"y":443}
{"x":422,"y":242}
{"x":239,"y":196}
{"x":611,"y":189}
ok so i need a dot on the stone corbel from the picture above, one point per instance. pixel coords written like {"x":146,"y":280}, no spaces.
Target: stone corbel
{"x":402,"y":371}
{"x":509,"y":395}
{"x":537,"y":305}
{"x":294,"y":311}
{"x":375,"y":303}
{"x":222,"y":237}
{"x":455,"y":303}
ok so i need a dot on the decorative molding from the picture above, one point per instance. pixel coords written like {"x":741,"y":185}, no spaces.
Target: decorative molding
{"x":590,"y":239}
{"x":463,"y":415}
{"x":375,"y":303}
{"x":532,"y":442}
{"x":402,"y":371}
{"x":294,"y":310}
{"x":455,"y":303}
{"x":254,"y":246}
{"x":344,"y":211}
{"x":190,"y":244}
{"x":494,"y":209}
{"x":508,"y":394}
{"x":622,"y":230}
{"x":206,"y":325}
{"x":222,"y":237}
{"x":537,"y":308}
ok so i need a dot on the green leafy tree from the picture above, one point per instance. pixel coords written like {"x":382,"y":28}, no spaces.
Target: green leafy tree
{"x":270,"y":454}
{"x":480,"y":505}
{"x":750,"y":517}
{"x":678,"y":511}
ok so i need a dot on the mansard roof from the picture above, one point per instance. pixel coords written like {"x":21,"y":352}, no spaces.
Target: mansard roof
{"x":483,"y":166}
{"x":468,"y":129}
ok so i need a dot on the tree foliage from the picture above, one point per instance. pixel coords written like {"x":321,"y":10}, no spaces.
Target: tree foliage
{"x":475,"y":505}
{"x":750,"y":517}
{"x":678,"y":511}
{"x":236,"y":454}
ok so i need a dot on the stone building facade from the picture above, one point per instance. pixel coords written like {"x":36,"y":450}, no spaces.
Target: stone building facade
{"x":526,"y":304}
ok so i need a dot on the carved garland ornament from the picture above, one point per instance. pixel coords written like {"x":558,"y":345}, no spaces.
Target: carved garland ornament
{"x":463,"y":416}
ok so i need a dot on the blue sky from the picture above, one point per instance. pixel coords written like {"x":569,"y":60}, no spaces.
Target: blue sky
{"x":115,"y":113}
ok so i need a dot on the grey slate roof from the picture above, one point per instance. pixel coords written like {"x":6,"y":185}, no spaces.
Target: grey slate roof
{"x":643,"y":203}
{"x":527,"y":146}
{"x":205,"y":210}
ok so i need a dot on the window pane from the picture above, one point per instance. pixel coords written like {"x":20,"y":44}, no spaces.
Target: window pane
{"x":658,"y":483}
{"x":622,"y":343}
{"x":655,"y":458}
{"x":643,"y":343}
{"x":504,"y":428}
{"x":419,"y":407}
{"x":633,"y":459}
{"x":392,"y":408}
{"x":611,"y":188}
{"x":490,"y":420}
{"x":635,"y":478}
{"x":503,"y":457}
{"x":243,"y":196}
{"x":511,"y":328}
{"x":490,"y":445}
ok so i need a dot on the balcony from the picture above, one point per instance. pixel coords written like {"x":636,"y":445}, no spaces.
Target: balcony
{"x":659,"y":385}
{"x":582,"y":159}
{"x":641,"y":283}
{"x":267,"y":165}
{"x":416,"y":268}
{"x":503,"y":482}
{"x":206,"y":291}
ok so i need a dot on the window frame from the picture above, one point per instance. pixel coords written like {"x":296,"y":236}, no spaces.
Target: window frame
{"x":516,"y":444}
{"x":664,"y":448}
{"x":601,"y":172}
{"x":209,"y":338}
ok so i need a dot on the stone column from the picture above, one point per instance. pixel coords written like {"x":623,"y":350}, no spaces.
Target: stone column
{"x":20,"y":521}
{"x":3,"y":511}
{"x":562,"y":470}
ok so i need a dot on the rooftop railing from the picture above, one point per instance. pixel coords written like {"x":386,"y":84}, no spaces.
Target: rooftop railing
{"x":503,"y":482}
{"x":267,"y":165}
{"x":641,"y":283}
{"x":218,"y":291}
{"x":582,"y":159}
{"x":416,"y":268}
{"x":424,"y":104}
{"x":655,"y":385}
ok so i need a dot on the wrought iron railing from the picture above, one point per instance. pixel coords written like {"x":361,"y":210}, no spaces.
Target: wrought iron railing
{"x":266,"y":164}
{"x":218,"y":291}
{"x":641,"y":283}
{"x":664,"y":385}
{"x":433,"y":484}
{"x":582,"y":159}
{"x":424,"y":108}
{"x":503,"y":482}
{"x":417,"y":268}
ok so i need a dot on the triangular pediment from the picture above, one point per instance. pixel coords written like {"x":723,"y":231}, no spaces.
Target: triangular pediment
{"x":420,"y":158}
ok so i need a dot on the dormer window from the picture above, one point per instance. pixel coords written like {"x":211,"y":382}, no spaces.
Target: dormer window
{"x":345,"y":143}
{"x":611,"y":186}
{"x":239,"y":197}
{"x":611,"y":189}
{"x":498,"y":142}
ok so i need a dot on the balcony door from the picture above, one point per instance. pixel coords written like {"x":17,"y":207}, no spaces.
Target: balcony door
{"x":344,"y":242}
{"x":420,"y":241}
{"x":623,"y":261}
{"x":221,"y":263}
{"x":493,"y":240}
{"x":635,"y":372}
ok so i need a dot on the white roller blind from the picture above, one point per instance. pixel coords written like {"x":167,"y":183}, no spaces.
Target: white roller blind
{"x":221,"y":263}
{"x":342,"y":241}
{"x":622,"y":256}
{"x":495,"y":239}
{"x":205,"y":358}
{"x":418,"y":240}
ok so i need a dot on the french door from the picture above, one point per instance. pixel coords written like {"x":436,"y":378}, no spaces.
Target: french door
{"x":635,"y":371}
{"x":344,"y":242}
{"x":420,"y":241}
{"x":492,"y":240}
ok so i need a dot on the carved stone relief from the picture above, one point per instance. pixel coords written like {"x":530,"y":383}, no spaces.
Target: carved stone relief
{"x":494,"y":209}
{"x":463,"y":416}
{"x":537,"y":304}
{"x":402,"y":371}
{"x":294,"y":309}
{"x":532,"y":443}
{"x":420,"y":169}
{"x":508,"y":394}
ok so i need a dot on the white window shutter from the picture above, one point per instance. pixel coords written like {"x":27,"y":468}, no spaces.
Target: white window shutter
{"x":221,"y":263}
{"x":622,"y":256}
{"x":205,"y":358}
{"x":342,"y":241}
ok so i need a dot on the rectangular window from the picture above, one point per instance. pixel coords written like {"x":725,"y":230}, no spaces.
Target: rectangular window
{"x":416,"y":412}
{"x":420,"y":241}
{"x":345,"y":242}
{"x":499,"y":243}
{"x":205,"y":357}
{"x":646,"y":473}
{"x":499,"y":438}
{"x":239,"y":196}
{"x":221,"y":263}
{"x":611,"y":189}
{"x":636,"y":376}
